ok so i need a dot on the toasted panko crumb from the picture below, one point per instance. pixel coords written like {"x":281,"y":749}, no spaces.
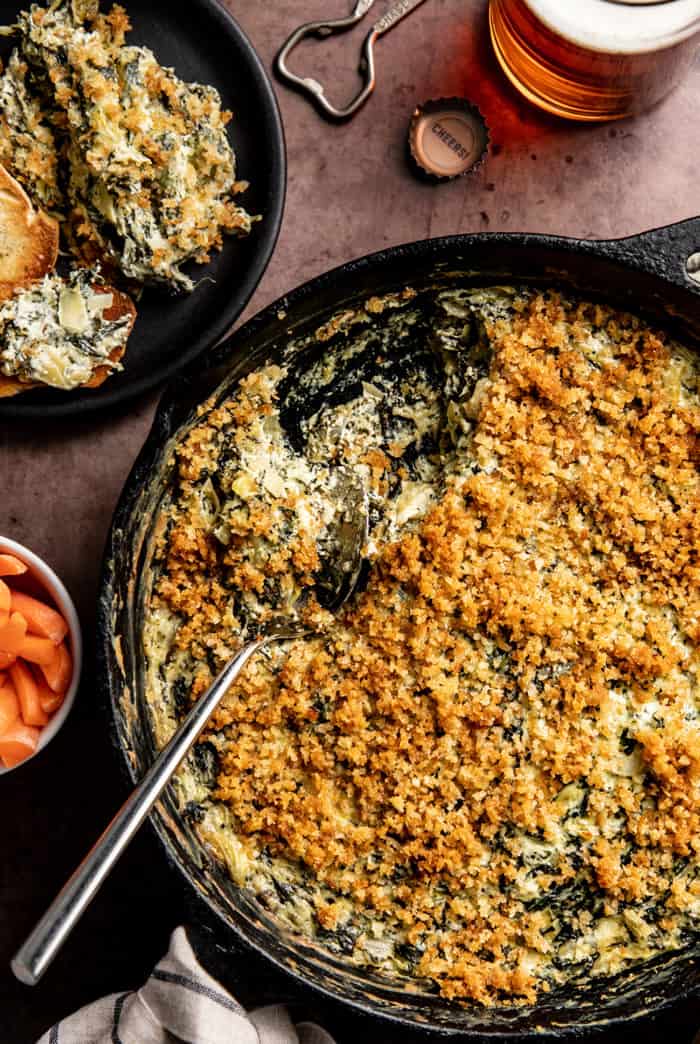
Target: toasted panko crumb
{"x":406,"y":756}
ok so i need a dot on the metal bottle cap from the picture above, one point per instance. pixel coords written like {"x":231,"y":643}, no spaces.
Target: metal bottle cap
{"x":447,"y":137}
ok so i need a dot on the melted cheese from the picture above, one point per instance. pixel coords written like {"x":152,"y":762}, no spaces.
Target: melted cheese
{"x":55,"y":332}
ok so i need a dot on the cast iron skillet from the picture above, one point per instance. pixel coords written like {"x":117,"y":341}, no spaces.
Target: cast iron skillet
{"x":203,"y":43}
{"x":646,"y":273}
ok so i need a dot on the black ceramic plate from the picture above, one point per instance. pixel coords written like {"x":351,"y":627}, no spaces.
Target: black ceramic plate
{"x":202,"y":42}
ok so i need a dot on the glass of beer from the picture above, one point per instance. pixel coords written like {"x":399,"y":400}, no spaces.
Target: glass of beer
{"x":595,"y":59}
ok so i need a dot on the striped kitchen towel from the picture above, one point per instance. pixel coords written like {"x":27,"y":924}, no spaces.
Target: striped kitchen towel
{"x":180,"y":1003}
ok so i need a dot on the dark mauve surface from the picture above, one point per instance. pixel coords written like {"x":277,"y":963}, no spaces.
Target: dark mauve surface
{"x":350,"y":192}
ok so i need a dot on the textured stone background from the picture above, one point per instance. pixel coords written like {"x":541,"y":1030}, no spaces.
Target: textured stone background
{"x":350,"y":192}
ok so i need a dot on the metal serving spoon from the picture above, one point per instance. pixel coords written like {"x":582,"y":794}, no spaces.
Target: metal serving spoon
{"x":346,"y":540}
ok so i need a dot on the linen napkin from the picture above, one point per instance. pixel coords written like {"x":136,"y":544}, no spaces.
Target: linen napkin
{"x":180,"y":1004}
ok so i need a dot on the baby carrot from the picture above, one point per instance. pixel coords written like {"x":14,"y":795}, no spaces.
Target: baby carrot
{"x":12,"y":634}
{"x":50,"y":704}
{"x":5,"y":599}
{"x":27,"y":694}
{"x":10,"y":565}
{"x":9,"y":707}
{"x":6,"y":659}
{"x":50,"y":701}
{"x":18,"y":743}
{"x":41,"y":618}
{"x":37,"y":650}
{"x":58,"y":672}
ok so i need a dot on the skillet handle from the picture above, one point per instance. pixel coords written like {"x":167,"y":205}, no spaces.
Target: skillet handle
{"x":671,"y":252}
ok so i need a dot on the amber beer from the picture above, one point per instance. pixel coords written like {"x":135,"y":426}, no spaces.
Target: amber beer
{"x":594,"y":59}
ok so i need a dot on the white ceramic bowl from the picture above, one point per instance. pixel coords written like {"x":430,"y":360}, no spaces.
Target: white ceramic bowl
{"x":47,"y":579}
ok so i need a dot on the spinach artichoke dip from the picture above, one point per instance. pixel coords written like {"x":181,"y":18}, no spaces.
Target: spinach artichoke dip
{"x":481,"y":776}
{"x":62,"y":332}
{"x":134,"y":162}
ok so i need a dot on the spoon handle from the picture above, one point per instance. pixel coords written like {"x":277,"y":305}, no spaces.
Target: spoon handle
{"x":51,"y":931}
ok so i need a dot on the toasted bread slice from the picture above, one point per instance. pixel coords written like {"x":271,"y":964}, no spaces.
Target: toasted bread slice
{"x":13,"y":386}
{"x":28,"y":239}
{"x":121,"y":306}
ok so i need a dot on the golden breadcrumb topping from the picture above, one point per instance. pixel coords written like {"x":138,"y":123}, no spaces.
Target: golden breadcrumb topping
{"x":135,"y":161}
{"x":27,"y":141}
{"x":490,"y":760}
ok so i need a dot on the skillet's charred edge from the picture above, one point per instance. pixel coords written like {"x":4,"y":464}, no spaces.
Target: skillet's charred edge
{"x":645,"y":273}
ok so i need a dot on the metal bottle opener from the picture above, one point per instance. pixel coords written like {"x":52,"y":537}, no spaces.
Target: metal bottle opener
{"x":320,"y":30}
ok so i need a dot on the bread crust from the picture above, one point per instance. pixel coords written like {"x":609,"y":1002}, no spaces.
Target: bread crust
{"x":121,"y":305}
{"x":28,"y":239}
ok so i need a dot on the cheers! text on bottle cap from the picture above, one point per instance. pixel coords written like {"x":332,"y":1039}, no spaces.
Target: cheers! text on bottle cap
{"x":447,"y":137}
